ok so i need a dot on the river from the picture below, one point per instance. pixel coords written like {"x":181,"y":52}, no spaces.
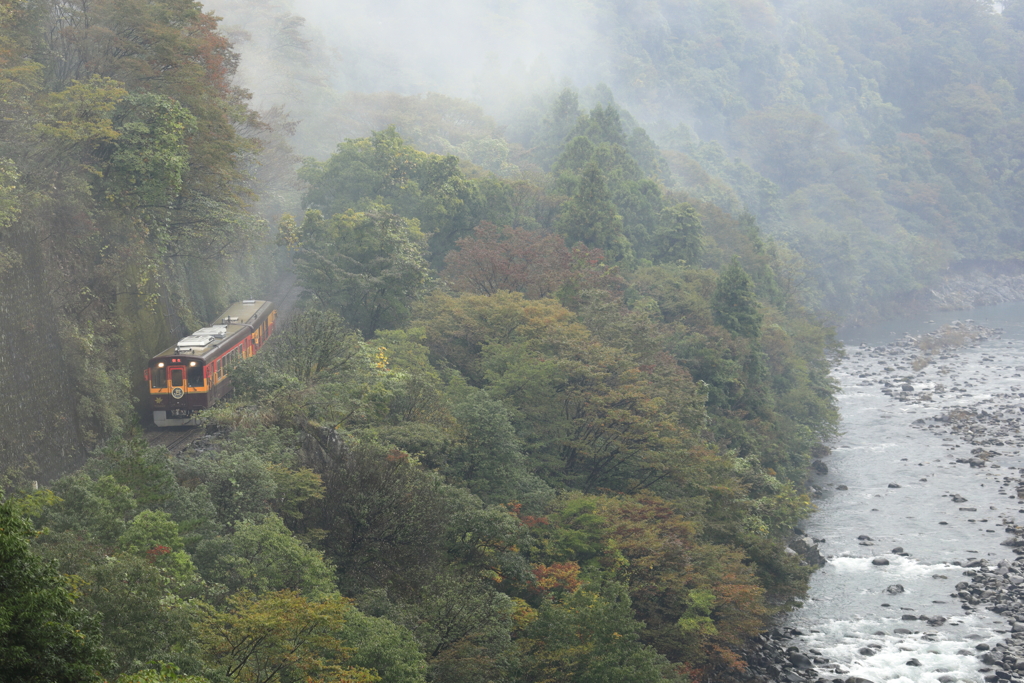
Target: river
{"x":893,"y":481}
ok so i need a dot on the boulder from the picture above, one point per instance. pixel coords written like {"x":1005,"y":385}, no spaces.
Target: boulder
{"x":806,"y":548}
{"x":800,"y":661}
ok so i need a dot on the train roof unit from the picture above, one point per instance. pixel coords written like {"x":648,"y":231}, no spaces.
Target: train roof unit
{"x":236,"y":322}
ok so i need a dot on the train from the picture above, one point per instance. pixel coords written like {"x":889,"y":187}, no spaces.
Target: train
{"x":195,"y":373}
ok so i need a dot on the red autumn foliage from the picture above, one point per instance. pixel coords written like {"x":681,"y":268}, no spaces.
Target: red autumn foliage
{"x":511,"y":259}
{"x":157,"y":551}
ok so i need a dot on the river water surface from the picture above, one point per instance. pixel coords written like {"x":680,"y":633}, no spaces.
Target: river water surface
{"x":891,"y":442}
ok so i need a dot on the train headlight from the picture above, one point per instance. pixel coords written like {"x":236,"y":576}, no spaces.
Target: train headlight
{"x":159,"y":365}
{"x":192,"y":364}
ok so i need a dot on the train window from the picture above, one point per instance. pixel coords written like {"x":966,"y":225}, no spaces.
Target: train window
{"x":195,"y":376}
{"x":177,"y":377}
{"x":158,"y":378}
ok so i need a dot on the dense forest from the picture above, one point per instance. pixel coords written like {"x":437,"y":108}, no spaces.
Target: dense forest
{"x":547,"y":407}
{"x":881,"y":141}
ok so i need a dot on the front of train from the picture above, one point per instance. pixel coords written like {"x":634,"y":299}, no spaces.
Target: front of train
{"x":179,"y":379}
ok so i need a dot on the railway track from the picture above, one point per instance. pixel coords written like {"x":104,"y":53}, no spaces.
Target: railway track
{"x":174,"y":439}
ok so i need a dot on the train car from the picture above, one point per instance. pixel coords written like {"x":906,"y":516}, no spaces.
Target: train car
{"x":195,"y":373}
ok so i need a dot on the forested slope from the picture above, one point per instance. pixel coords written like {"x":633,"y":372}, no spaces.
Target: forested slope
{"x":546,"y":412}
{"x":568,"y":445}
{"x":881,"y":141}
{"x":129,"y":177}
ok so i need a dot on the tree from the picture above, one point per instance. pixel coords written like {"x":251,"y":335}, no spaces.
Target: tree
{"x":315,"y":346}
{"x":699,"y":600}
{"x":590,"y":217}
{"x":148,"y":160}
{"x":261,"y":556}
{"x":587,"y":635}
{"x":167,"y":673}
{"x":427,"y":188}
{"x":462,"y":625}
{"x":385,"y":647}
{"x":488,"y":458}
{"x":96,"y":508}
{"x":511,"y":259}
{"x":43,"y":636}
{"x":280,"y":636}
{"x":387,"y":521}
{"x":679,"y":236}
{"x":315,"y":372}
{"x":154,"y":535}
{"x":735,"y":305}
{"x":590,"y":417}
{"x":366,"y":265}
{"x":141,"y":616}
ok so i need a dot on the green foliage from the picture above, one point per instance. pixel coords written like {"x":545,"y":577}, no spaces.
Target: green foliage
{"x":332,"y":379}
{"x":735,"y":306}
{"x":384,"y":647}
{"x":167,"y":673}
{"x":488,"y":460}
{"x":154,"y":535}
{"x":43,"y":635}
{"x":660,"y":375}
{"x":139,"y":609}
{"x":462,"y":626}
{"x":678,"y":237}
{"x":99,"y":507}
{"x":588,"y":635}
{"x":78,"y":118}
{"x":280,"y":635}
{"x":589,"y":216}
{"x":389,"y":521}
{"x":368,"y":266}
{"x":149,"y":158}
{"x":263,"y":556}
{"x":589,"y":415}
{"x":427,"y":189}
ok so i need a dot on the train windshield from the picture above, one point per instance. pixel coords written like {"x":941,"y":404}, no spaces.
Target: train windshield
{"x":195,"y":376}
{"x":177,"y":377}
{"x":158,"y":378}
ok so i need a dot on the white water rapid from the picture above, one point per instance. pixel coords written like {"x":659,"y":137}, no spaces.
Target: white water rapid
{"x":894,"y":481}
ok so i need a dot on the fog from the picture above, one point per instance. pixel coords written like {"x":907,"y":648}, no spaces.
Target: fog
{"x":308,"y":55}
{"x":458,"y":47}
{"x":864,"y":135}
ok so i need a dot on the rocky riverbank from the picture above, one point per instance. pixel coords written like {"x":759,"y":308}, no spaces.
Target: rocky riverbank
{"x":958,"y":292}
{"x":975,"y":434}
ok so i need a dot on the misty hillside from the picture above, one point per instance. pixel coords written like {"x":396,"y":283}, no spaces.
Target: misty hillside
{"x":882,"y":141}
{"x":553,"y":357}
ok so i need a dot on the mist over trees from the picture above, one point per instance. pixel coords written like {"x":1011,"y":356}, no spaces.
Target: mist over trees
{"x":881,"y":142}
{"x":549,"y":401}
